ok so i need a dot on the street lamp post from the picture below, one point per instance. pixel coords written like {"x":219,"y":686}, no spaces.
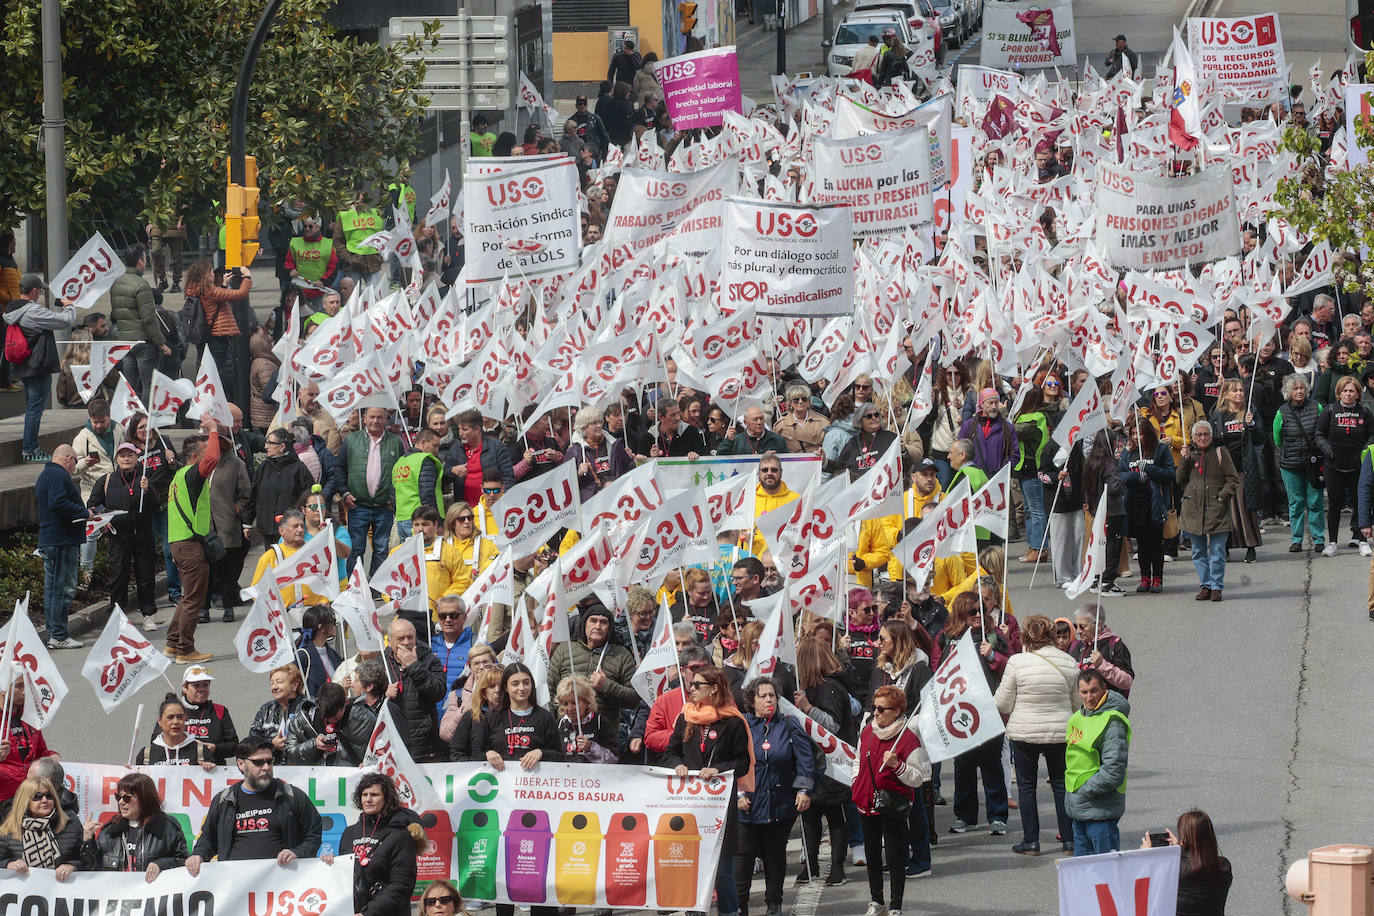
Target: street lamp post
{"x":782,"y":37}
{"x":54,"y":138}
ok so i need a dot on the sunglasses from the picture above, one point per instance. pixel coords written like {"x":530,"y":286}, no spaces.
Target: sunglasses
{"x":1051,"y":385}
{"x":877,"y":708}
{"x":464,"y":518}
{"x":700,"y":685}
{"x":123,"y":797}
{"x":858,"y":387}
{"x":435,"y":901}
{"x":42,"y":796}
{"x":260,"y":762}
{"x":800,"y":400}
{"x":492,"y":491}
{"x":449,"y":616}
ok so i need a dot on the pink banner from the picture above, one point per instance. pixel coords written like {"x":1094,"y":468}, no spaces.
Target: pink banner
{"x":698,"y":88}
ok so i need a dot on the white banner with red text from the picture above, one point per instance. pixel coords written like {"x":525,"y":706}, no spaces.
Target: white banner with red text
{"x":1139,"y":881}
{"x":522,"y":222}
{"x":306,"y":887}
{"x":957,"y":711}
{"x":885,"y":179}
{"x":1245,"y":54}
{"x":1148,"y":222}
{"x":788,"y":259}
{"x":1028,"y":35}
{"x":563,"y":834}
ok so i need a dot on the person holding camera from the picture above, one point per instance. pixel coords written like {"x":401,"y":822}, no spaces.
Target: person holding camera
{"x":1204,"y":877}
{"x":892,"y":764}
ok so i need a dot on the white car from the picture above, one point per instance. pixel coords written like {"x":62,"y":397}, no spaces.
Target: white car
{"x":920,"y":17}
{"x":852,"y":34}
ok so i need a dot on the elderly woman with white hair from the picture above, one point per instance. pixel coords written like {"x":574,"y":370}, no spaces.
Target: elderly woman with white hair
{"x":1300,"y":461}
{"x":1209,"y":482}
{"x":598,"y":457}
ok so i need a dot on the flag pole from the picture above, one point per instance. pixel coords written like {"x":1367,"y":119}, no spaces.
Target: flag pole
{"x":133,"y":740}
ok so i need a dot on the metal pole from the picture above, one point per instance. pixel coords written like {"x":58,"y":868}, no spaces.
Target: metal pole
{"x":238,"y":112}
{"x":464,"y":88}
{"x":827,"y":18}
{"x":782,"y":46}
{"x":54,"y":138}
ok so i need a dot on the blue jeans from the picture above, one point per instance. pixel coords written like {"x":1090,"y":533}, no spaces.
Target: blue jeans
{"x":371,"y":279}
{"x":918,"y":834}
{"x":404,"y":529}
{"x":35,"y":401}
{"x":1025,"y":757}
{"x":1306,"y":504}
{"x":361,"y":521}
{"x":173,"y":574}
{"x":1091,"y":838}
{"x":1209,"y":559}
{"x":60,"y":565}
{"x":1033,"y":491}
{"x":943,"y":472}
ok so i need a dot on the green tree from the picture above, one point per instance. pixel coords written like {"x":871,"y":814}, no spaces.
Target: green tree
{"x":147,"y":90}
{"x":1336,"y":207}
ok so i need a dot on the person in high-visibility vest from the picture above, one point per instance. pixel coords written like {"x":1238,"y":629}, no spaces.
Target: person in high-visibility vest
{"x":418,"y":479}
{"x":1099,"y":740}
{"x":355,"y":225}
{"x":188,"y":525}
{"x":311,"y":257}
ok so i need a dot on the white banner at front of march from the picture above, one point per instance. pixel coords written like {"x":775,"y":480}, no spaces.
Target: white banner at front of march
{"x":89,"y":274}
{"x":1139,"y":881}
{"x":306,"y":887}
{"x":788,"y":259}
{"x":957,"y":711}
{"x":1149,"y":222}
{"x":1244,"y":54}
{"x":562,"y":834}
{"x":652,"y":205}
{"x":522,"y":222}
{"x":885,"y":179}
{"x":1028,"y":35}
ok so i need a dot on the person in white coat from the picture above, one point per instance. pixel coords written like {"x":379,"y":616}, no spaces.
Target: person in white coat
{"x":1037,"y":695}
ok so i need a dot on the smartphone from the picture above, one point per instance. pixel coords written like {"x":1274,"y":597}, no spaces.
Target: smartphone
{"x":1159,"y":839}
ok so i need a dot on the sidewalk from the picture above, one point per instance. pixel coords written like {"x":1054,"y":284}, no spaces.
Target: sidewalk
{"x":758,"y":52}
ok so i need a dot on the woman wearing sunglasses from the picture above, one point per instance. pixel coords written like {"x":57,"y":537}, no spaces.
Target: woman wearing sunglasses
{"x":38,"y":834}
{"x":892,"y":764}
{"x":385,"y":842}
{"x":711,"y":737}
{"x":442,"y":899}
{"x":138,"y":838}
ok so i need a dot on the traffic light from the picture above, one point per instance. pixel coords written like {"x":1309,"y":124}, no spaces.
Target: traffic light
{"x":241,"y":218}
{"x":688,"y":12}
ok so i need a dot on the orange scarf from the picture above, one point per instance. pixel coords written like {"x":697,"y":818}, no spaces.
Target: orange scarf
{"x":705,"y":714}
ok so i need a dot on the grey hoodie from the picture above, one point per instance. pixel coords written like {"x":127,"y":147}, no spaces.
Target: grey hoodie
{"x":1098,"y":798}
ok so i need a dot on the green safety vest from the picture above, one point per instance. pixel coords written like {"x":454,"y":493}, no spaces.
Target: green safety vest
{"x":407,"y":194}
{"x":357,"y":226}
{"x":1038,"y":419}
{"x":312,"y":258}
{"x":179,"y":510}
{"x":1082,"y":758}
{"x":405,"y":479}
{"x":976,"y":481}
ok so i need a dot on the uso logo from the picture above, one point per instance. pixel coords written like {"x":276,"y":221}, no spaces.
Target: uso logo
{"x":783,"y":224}
{"x":664,"y":190}
{"x":748,"y":291}
{"x":515,"y":191}
{"x":858,"y":155}
{"x":666,"y":73}
{"x":310,"y":902}
{"x":961,"y":720}
{"x":262,"y":645}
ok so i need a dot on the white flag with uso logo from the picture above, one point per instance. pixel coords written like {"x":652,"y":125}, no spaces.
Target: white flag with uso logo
{"x":1143,"y":882}
{"x":264,"y":640}
{"x":788,"y":259}
{"x":89,"y":274}
{"x":957,"y":712}
{"x":532,"y":511}
{"x":121,"y":661}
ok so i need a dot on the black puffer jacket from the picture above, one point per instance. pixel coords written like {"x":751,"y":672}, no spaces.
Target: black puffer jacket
{"x":160,"y":843}
{"x":279,"y":482}
{"x":384,"y":861}
{"x":271,"y":718}
{"x":70,"y":846}
{"x":1295,"y":434}
{"x":354,"y":731}
{"x":422,"y":686}
{"x":301,"y":824}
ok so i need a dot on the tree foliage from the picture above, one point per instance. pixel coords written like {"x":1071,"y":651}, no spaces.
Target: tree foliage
{"x":147,"y":92}
{"x":1332,"y":205}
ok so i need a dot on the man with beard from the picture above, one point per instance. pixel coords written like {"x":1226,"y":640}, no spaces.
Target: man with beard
{"x":259,"y":818}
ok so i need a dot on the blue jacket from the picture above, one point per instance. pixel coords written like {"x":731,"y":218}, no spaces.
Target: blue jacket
{"x":787,"y":767}
{"x":61,"y":513}
{"x":332,"y":480}
{"x":1366,"y":488}
{"x":1158,"y":474}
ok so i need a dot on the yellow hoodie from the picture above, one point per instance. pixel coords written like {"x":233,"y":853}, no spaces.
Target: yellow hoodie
{"x":766,"y":502}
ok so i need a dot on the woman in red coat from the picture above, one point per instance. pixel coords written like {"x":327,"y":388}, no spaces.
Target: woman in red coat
{"x":892,"y":764}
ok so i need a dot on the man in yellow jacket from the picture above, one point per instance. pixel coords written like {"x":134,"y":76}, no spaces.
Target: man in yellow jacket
{"x":291,"y":530}
{"x":770,"y":494}
{"x":443,"y":566}
{"x":948,"y":572}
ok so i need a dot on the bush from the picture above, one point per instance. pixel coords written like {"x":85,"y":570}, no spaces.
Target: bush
{"x":21,"y":570}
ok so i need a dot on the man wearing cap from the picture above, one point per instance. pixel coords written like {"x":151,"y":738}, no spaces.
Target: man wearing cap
{"x":311,"y":257}
{"x":36,"y":322}
{"x":590,"y":130}
{"x":992,"y":436}
{"x":482,"y":139}
{"x":595,"y":656}
{"x":131,"y":544}
{"x":206,"y":721}
{"x":1116,"y":56}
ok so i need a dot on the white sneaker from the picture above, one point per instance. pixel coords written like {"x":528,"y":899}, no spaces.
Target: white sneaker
{"x":876,"y":909}
{"x":67,"y":643}
{"x":1329,"y":550}
{"x":894,"y":913}
{"x":1355,"y":542}
{"x":149,"y":625}
{"x":1364,"y":549}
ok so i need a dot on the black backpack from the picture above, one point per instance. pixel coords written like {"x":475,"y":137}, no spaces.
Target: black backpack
{"x":194,"y":329}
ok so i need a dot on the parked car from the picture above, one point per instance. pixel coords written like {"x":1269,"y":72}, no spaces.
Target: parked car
{"x":920,"y":17}
{"x":853,"y":32}
{"x":952,"y":21}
